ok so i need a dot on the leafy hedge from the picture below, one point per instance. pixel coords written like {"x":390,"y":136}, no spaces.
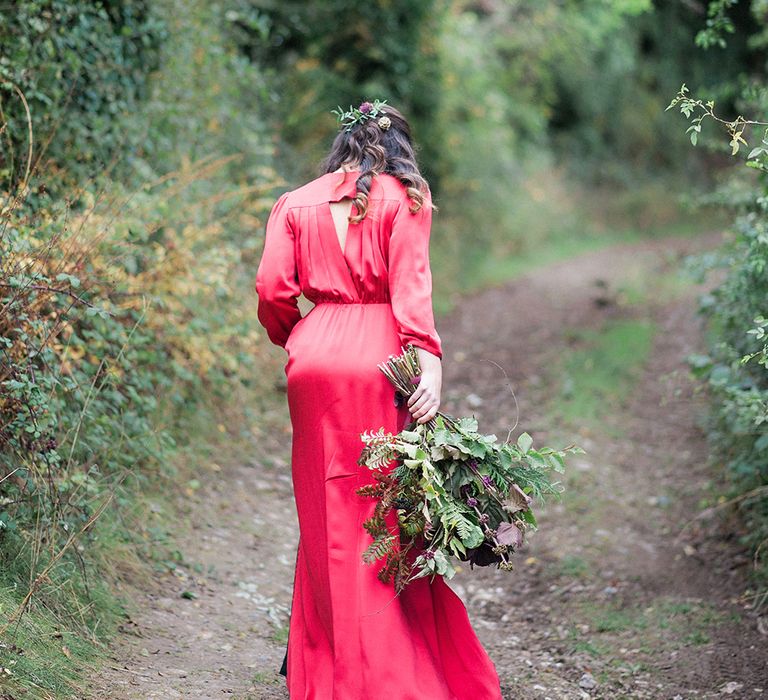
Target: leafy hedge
{"x":80,"y":376}
{"x":82,"y":67}
{"x":100,"y":319}
{"x":78,"y":371}
{"x":125,"y":308}
{"x":736,"y":370}
{"x":321,"y":54}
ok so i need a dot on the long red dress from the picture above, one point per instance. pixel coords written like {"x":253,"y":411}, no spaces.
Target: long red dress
{"x":350,"y":637}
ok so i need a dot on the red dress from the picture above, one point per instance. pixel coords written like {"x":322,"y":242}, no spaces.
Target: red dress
{"x":350,"y":637}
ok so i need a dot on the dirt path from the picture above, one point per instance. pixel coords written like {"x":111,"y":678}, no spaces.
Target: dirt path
{"x":609,"y":599}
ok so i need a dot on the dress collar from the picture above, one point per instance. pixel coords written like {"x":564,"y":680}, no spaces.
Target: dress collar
{"x":342,"y":185}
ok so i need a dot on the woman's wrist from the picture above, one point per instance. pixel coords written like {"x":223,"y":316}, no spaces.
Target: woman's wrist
{"x":425,"y":401}
{"x":428,"y":360}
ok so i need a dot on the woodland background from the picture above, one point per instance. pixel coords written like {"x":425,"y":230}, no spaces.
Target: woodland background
{"x":142,"y":143}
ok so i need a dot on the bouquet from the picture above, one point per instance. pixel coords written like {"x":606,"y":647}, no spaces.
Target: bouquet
{"x":444,"y":490}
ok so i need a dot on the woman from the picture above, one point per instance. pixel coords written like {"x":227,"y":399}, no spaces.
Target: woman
{"x":355,"y":242}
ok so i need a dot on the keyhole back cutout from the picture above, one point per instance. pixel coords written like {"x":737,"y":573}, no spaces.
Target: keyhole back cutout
{"x":340,"y":212}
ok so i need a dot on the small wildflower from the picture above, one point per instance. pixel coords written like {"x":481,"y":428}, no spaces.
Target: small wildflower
{"x":365,"y":107}
{"x":473,"y":465}
{"x":487,"y":480}
{"x":472,"y":502}
{"x":484,"y":518}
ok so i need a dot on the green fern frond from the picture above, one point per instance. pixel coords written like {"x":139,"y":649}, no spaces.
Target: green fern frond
{"x":376,"y":438}
{"x":377,"y":456}
{"x":379,"y":548}
{"x":391,"y":566}
{"x":371,"y":491}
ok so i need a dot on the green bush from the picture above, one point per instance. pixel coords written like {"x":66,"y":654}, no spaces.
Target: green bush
{"x":82,"y":67}
{"x":318,"y":55}
{"x":127,"y":307}
{"x":735,"y":369}
{"x":737,"y":382}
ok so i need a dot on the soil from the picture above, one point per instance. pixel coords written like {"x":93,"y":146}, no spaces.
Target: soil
{"x":621,"y":593}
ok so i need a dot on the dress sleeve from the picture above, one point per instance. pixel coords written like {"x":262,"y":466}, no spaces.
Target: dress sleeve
{"x":410,"y":277}
{"x":276,"y":278}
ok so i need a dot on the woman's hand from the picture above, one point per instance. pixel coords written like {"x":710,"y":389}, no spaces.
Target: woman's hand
{"x":425,"y":401}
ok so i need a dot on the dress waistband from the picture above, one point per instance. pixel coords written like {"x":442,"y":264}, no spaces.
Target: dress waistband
{"x":341,"y":302}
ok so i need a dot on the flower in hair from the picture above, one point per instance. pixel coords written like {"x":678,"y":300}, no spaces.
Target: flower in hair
{"x":358,"y":115}
{"x":385,"y":123}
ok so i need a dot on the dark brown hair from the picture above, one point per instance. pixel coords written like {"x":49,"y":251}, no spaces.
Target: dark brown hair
{"x":375,"y":150}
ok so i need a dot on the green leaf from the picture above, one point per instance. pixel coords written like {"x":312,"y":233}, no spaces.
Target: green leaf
{"x":476,"y":449}
{"x":557,"y":462}
{"x":408,"y":449}
{"x":441,"y":437}
{"x":524,"y":442}
{"x":63,"y":276}
{"x":471,"y":535}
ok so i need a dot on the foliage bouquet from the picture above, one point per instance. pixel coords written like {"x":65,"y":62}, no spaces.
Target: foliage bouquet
{"x":445,"y":490}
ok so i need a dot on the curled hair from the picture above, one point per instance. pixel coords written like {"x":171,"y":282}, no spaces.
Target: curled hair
{"x":375,"y":150}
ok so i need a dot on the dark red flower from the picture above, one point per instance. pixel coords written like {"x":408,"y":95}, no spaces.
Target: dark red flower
{"x":481,"y":556}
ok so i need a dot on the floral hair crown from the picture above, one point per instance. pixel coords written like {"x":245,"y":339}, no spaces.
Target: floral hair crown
{"x":358,"y":115}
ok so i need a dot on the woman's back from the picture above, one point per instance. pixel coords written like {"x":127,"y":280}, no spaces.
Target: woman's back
{"x":385,"y":259}
{"x":358,"y":272}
